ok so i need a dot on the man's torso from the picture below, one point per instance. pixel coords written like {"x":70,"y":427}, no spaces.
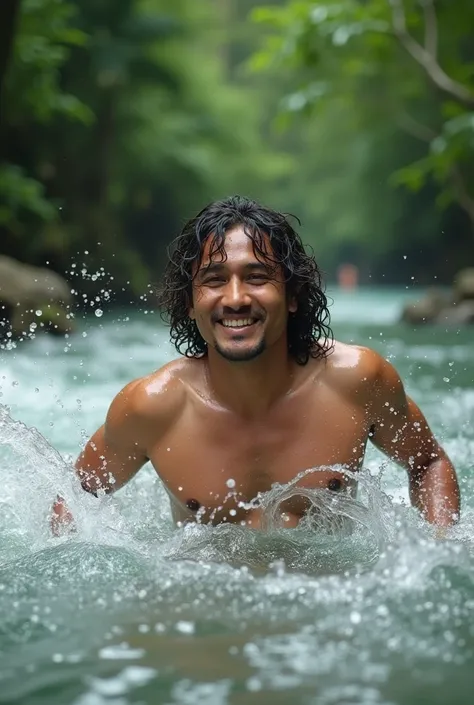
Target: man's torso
{"x":214,"y":462}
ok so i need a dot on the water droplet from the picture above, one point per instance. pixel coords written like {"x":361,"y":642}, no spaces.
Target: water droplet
{"x":230,"y":482}
{"x":98,"y":312}
{"x":355,"y":617}
{"x":185,"y":627}
{"x":39,"y":312}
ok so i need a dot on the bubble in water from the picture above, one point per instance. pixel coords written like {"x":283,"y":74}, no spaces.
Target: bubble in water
{"x":98,"y":312}
{"x":230,"y":482}
{"x":39,"y":312}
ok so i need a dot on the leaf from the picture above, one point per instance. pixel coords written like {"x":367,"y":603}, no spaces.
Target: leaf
{"x":412,"y":176}
{"x":270,"y":16}
{"x":22,"y":193}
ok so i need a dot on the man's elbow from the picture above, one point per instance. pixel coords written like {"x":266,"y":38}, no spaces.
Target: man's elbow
{"x":91,"y":482}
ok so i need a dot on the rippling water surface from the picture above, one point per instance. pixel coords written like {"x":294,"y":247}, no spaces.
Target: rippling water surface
{"x":361,"y":606}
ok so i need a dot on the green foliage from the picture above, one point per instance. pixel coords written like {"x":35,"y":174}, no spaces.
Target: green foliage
{"x":123,"y":117}
{"x":21,"y":195}
{"x":157,"y":132}
{"x":34,"y":96}
{"x":361,"y":38}
{"x":45,"y":37}
{"x":390,"y":85}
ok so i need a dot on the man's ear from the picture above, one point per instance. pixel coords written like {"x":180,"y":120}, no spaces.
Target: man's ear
{"x":292,"y":304}
{"x":191,"y":314}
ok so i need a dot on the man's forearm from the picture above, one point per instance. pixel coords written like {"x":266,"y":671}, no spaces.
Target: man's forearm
{"x":434,"y":490}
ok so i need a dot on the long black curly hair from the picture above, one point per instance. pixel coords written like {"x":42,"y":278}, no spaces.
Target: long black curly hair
{"x":309,"y":333}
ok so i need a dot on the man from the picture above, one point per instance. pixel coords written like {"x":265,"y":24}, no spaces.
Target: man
{"x":262,"y":392}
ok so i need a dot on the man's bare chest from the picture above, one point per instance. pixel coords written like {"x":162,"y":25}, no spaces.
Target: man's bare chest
{"x":217,"y":464}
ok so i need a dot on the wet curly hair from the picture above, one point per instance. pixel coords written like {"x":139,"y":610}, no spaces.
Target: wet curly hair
{"x":309,"y":333}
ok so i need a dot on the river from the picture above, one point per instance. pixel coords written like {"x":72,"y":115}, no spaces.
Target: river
{"x":131,"y":610}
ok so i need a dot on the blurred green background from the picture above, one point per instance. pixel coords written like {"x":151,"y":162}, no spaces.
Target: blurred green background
{"x":121,"y":118}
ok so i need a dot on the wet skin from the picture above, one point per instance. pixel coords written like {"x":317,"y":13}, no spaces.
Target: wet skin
{"x":257,"y":452}
{"x":221,"y":429}
{"x":212,"y":460}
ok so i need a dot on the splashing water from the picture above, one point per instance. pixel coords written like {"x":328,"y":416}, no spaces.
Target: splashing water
{"x":338,"y":532}
{"x":358,"y":605}
{"x":114,"y":578}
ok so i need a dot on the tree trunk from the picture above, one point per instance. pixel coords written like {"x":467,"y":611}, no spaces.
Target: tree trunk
{"x":9,"y":11}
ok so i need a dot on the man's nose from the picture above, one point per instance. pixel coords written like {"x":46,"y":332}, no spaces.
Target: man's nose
{"x":236,"y":294}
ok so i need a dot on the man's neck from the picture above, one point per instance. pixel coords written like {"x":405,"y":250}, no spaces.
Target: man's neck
{"x":250,"y":388}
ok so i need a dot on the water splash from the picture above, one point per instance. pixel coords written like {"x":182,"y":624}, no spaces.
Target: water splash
{"x":360,"y":581}
{"x":339,"y":531}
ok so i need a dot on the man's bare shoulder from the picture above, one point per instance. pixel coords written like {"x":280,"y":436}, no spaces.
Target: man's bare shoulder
{"x":355,"y":369}
{"x":158,"y":396}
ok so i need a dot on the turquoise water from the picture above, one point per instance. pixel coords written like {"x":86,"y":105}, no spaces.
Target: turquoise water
{"x":130,"y":610}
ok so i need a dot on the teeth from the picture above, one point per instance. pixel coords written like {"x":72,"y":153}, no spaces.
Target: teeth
{"x":239,"y":323}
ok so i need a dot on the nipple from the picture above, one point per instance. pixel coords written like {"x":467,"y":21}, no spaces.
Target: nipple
{"x":334,"y":484}
{"x":193,"y":504}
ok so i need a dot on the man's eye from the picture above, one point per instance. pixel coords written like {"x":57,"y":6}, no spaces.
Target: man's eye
{"x":258,"y":278}
{"x":214,"y":281}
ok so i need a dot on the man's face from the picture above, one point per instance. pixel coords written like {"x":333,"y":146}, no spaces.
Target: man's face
{"x":240,"y":303}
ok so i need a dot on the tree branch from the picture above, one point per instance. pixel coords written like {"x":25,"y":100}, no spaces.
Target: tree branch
{"x":416,"y":129}
{"x":424,"y":55}
{"x":431,"y":27}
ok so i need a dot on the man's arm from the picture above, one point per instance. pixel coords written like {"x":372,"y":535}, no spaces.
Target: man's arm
{"x":117,"y":450}
{"x":400,"y":430}
{"x":112,"y":456}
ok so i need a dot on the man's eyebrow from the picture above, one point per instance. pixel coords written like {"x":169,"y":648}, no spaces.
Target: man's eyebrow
{"x":211,"y":267}
{"x":220,"y":266}
{"x":259,"y":265}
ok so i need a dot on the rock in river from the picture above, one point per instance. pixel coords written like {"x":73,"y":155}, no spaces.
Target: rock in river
{"x":32,"y":298}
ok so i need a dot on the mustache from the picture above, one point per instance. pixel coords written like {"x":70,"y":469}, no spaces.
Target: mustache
{"x":244,"y":311}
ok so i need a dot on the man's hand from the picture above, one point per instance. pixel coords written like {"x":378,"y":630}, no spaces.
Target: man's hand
{"x":62,"y":520}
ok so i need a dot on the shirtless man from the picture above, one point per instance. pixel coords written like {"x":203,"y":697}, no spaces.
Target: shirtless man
{"x":262,"y":392}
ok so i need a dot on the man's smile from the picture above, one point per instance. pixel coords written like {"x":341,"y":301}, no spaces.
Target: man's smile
{"x":237,"y":322}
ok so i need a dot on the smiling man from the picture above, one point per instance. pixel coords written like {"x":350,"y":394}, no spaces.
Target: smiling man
{"x":261,"y":392}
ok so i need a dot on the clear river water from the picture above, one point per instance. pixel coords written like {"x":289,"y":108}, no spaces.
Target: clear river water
{"x":130,"y":609}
